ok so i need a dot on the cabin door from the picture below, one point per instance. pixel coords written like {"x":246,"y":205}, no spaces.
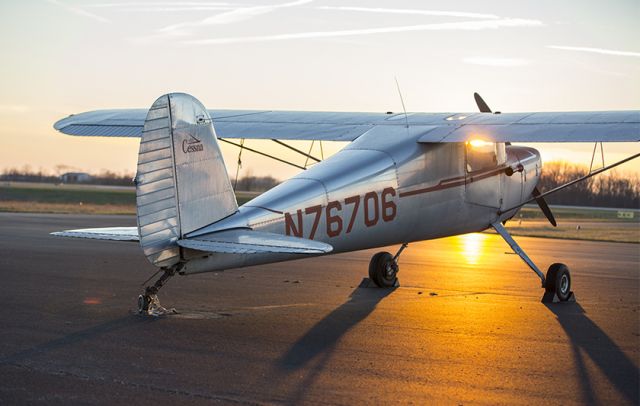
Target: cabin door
{"x":484,"y":166}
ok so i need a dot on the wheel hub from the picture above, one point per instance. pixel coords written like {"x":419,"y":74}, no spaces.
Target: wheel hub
{"x":389,"y":271}
{"x":564,"y":284}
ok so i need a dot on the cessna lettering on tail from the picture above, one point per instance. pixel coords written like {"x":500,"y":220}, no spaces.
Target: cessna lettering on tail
{"x":191,"y":145}
{"x":374,"y":209}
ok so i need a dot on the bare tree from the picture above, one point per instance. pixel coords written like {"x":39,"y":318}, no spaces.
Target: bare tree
{"x":610,"y":189}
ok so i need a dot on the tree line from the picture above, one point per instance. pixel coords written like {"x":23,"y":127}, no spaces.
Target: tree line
{"x":26,"y":174}
{"x":609,"y":189}
{"x":248,"y":183}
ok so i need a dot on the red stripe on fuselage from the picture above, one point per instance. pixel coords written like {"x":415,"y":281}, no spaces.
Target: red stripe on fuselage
{"x":453,"y":182}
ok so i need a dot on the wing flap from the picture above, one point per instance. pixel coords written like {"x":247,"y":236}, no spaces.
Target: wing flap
{"x":246,"y":241}
{"x":107,"y":233}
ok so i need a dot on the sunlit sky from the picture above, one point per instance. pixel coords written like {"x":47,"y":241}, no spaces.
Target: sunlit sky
{"x":67,"y":56}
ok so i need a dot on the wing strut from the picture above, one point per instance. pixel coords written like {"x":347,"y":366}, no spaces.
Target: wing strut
{"x":262,"y":153}
{"x":235,"y":183}
{"x":593,"y":155}
{"x":309,"y":156}
{"x":573,"y":182}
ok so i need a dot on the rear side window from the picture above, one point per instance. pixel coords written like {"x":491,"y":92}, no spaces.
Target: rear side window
{"x":480,"y":155}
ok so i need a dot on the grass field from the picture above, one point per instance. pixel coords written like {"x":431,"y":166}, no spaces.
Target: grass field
{"x":80,"y":199}
{"x":573,"y":222}
{"x":532,"y":212}
{"x":577,"y":223}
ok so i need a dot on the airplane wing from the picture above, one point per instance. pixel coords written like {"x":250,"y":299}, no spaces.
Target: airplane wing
{"x":250,"y":124}
{"x":245,"y":241}
{"x":609,"y":126}
{"x":604,"y":126}
{"x":238,"y":241}
{"x":108,"y":233}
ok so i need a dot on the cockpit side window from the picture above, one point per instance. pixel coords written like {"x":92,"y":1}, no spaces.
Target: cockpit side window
{"x":480,"y":155}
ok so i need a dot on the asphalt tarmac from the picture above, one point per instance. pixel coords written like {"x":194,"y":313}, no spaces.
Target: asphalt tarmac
{"x":465,"y":327}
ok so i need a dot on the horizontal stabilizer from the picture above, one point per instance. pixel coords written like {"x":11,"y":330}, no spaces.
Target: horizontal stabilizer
{"x":108,"y":233}
{"x":246,"y":241}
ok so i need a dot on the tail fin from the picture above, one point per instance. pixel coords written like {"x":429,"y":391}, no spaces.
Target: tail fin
{"x":182,"y":183}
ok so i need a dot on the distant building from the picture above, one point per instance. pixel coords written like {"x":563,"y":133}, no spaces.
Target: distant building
{"x":75,"y":177}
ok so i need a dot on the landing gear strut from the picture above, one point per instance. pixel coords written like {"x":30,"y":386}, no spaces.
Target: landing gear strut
{"x":148,"y":302}
{"x":557,"y":283}
{"x":383,"y":268}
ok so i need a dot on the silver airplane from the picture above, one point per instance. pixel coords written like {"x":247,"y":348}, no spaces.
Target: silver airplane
{"x":403,"y":178}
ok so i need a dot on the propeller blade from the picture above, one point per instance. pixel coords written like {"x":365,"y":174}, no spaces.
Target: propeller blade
{"x":544,"y":206}
{"x":482,"y":106}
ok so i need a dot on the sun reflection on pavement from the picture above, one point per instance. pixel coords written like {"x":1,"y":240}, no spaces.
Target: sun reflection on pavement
{"x":472,"y":247}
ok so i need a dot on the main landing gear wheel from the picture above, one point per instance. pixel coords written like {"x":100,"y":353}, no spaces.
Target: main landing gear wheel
{"x":558,"y":281}
{"x":383,"y":270}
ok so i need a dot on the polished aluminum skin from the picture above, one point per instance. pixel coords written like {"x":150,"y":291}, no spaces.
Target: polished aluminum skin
{"x":156,"y":188}
{"x":385,"y":188}
{"x":246,"y":241}
{"x":105,"y":233}
{"x":182,"y":183}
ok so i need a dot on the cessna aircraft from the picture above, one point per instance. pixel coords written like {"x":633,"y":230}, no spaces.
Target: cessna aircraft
{"x":403,"y":178}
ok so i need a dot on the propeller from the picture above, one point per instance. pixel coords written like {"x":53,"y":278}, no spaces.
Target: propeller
{"x":544,"y":206}
{"x":482,"y":106}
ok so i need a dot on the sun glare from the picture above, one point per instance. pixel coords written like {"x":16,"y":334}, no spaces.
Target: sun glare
{"x":479,"y":143}
{"x":472,"y":247}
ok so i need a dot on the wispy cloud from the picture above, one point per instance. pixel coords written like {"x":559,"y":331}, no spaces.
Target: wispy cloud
{"x":233,"y":16}
{"x":173,"y":9}
{"x":595,"y":50}
{"x":165,"y":6}
{"x":453,"y":26}
{"x":496,"y":61}
{"x":13,"y":108}
{"x":78,"y":11}
{"x":160,"y":4}
{"x":436,"y":13}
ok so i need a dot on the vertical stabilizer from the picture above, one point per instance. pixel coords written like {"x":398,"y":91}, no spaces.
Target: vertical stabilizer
{"x":182,"y":183}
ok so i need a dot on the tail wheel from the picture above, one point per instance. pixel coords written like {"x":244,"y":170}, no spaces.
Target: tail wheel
{"x":383,"y":270}
{"x":558,"y":281}
{"x":143,"y":304}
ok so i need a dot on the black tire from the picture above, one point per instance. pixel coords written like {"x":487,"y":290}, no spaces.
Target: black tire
{"x":558,"y":281}
{"x":143,"y":303}
{"x":383,"y":270}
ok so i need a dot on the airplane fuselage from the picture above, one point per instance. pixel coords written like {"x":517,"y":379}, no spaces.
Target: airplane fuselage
{"x":385,"y":190}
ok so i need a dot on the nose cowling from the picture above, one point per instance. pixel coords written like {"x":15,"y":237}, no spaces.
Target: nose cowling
{"x":532,"y":170}
{"x":523,"y":170}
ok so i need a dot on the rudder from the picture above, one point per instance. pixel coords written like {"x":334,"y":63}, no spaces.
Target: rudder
{"x":182,"y":183}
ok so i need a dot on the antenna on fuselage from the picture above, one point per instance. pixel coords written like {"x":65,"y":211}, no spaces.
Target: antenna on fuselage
{"x":406,"y":118}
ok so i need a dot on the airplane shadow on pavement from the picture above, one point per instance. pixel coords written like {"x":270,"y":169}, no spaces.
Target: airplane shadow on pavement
{"x":587,"y":338}
{"x":314,"y":349}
